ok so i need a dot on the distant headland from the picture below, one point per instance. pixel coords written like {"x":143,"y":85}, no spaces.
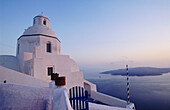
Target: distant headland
{"x":139,"y":71}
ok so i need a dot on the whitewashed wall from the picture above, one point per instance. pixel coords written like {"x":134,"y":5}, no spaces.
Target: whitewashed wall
{"x":12,"y":76}
{"x":27,"y":44}
{"x":21,"y":97}
{"x":113,"y":101}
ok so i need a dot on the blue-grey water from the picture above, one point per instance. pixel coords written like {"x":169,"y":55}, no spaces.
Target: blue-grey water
{"x":147,"y":92}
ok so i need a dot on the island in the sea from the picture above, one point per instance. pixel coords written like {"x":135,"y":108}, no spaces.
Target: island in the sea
{"x":139,"y":71}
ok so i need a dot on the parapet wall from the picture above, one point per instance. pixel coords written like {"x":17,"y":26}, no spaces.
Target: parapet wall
{"x":113,"y":101}
{"x":11,"y":76}
{"x":22,"y":97}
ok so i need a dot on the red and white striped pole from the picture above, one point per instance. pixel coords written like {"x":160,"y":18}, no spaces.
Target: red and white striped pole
{"x":128,"y":96}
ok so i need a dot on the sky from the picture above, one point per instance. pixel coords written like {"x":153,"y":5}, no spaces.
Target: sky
{"x":98,"y":34}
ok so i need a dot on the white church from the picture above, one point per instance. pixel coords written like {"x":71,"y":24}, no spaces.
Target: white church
{"x":28,"y":74}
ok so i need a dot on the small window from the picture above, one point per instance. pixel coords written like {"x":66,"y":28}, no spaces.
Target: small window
{"x":49,"y":47}
{"x":50,"y":70}
{"x":34,"y":21}
{"x":18,"y":48}
{"x":44,"y":22}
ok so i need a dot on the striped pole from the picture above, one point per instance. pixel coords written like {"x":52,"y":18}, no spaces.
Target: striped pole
{"x":128,"y":99}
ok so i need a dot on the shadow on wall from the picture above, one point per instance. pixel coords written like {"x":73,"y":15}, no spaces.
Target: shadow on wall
{"x":10,"y":62}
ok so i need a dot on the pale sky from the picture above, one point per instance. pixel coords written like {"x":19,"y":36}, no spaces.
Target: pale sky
{"x":97,"y":34}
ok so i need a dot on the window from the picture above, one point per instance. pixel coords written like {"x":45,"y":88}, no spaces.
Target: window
{"x":50,"y":70}
{"x":18,"y":49}
{"x":49,"y":47}
{"x":44,"y":22}
{"x":34,"y":21}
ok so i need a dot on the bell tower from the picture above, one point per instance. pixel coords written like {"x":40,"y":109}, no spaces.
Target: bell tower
{"x":41,"y":20}
{"x":37,"y":41}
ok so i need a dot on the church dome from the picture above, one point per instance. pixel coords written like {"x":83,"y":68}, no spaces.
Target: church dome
{"x":41,"y":15}
{"x":39,"y":30}
{"x":40,"y":27}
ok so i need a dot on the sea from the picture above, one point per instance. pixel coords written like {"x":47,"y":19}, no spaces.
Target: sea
{"x":146,"y":92}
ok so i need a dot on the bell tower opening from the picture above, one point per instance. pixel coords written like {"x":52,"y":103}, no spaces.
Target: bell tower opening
{"x":44,"y":22}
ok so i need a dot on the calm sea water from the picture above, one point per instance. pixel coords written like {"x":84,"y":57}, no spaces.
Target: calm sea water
{"x":147,"y":92}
